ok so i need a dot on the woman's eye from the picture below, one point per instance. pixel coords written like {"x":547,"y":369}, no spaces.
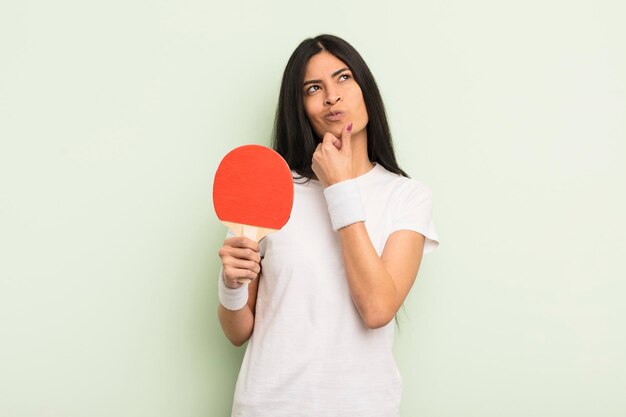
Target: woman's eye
{"x":343,"y":77}
{"x":312,"y":89}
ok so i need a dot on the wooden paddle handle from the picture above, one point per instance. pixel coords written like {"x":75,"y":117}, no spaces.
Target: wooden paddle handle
{"x":251,"y":232}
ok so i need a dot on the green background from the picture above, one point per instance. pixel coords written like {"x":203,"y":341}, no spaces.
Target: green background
{"x":114,"y":116}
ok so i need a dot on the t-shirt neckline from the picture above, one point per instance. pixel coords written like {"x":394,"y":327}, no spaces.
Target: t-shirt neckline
{"x":360,"y":177}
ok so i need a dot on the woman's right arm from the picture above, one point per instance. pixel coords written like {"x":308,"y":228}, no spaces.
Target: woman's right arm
{"x":240,"y":259}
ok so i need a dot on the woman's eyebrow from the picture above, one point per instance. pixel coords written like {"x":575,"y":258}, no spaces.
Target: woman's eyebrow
{"x":334,"y":74}
{"x":339,"y":71}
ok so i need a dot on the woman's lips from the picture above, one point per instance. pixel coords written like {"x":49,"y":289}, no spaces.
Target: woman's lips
{"x":334,"y":117}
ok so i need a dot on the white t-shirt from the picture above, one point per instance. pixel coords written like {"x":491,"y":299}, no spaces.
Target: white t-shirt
{"x":310,"y":353}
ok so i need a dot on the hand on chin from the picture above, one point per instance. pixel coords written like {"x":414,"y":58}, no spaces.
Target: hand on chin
{"x":336,"y":132}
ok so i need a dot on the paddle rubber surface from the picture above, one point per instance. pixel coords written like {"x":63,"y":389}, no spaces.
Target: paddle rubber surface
{"x":253,"y":186}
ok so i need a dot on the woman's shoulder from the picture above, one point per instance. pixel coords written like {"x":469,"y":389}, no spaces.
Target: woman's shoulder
{"x":304,"y":184}
{"x":397,"y":182}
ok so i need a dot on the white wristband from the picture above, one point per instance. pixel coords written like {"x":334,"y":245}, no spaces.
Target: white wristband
{"x":231,"y":298}
{"x":344,"y":204}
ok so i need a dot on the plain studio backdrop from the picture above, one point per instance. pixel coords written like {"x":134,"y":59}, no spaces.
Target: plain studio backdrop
{"x":114,"y":116}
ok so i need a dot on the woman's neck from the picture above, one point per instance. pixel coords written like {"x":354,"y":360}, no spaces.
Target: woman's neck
{"x":360,"y":161}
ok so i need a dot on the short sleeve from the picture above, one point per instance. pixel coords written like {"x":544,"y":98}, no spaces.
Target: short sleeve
{"x":413,"y":211}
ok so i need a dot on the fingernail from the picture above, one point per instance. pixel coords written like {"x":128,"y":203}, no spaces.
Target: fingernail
{"x":349,"y":128}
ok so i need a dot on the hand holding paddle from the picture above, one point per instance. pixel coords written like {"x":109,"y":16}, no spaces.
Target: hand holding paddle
{"x":241,"y":261}
{"x":252,"y":194}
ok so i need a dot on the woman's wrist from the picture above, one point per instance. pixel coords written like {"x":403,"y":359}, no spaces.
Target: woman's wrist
{"x":231,"y":298}
{"x":344,"y":203}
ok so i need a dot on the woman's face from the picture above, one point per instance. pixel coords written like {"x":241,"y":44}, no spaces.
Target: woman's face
{"x":328,"y":83}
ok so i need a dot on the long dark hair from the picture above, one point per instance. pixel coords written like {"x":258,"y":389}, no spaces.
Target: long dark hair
{"x":294,"y":138}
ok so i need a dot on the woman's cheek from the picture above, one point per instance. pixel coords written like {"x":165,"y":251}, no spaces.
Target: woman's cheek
{"x":318,"y":129}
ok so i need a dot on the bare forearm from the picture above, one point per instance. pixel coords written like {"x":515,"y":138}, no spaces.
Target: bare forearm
{"x":237,"y":325}
{"x":372,"y":287}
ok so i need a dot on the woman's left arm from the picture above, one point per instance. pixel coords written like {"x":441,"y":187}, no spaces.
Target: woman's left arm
{"x":379,"y":285}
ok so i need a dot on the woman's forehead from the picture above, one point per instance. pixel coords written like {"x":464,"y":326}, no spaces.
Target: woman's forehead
{"x":322,"y":65}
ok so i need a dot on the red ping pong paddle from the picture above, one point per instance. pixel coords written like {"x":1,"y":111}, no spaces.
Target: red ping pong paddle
{"x":253,"y":192}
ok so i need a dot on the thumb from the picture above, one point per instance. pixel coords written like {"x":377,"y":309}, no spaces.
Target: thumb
{"x":346,"y":137}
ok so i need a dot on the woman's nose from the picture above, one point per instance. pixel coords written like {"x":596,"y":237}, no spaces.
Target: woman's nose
{"x":331,"y":100}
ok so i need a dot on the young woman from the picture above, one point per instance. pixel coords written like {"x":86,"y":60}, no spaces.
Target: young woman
{"x":319,"y":317}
